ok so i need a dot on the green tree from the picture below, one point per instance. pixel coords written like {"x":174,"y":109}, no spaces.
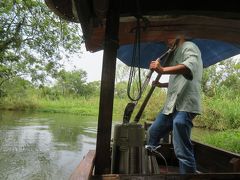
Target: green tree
{"x":221,"y":89}
{"x":225,"y":73}
{"x":230,"y":71}
{"x":33,"y":40}
{"x":121,"y":89}
{"x":93,"y":88}
{"x":73,"y":82}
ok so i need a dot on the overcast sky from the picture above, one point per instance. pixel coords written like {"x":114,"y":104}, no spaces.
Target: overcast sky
{"x":92,"y":64}
{"x":89,"y":62}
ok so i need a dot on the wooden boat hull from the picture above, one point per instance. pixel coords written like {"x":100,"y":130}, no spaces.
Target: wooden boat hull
{"x":168,"y":177}
{"x":212,"y":163}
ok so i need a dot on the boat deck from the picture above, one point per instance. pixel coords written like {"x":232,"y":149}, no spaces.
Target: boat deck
{"x":169,"y":169}
{"x":213,"y":168}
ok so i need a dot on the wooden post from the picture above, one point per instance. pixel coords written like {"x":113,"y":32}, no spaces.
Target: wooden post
{"x":102,"y":161}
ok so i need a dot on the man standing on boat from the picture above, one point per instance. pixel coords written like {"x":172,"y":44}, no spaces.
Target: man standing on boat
{"x":183,"y":101}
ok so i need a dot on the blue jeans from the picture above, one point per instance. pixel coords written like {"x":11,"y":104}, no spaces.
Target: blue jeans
{"x":180,"y":123}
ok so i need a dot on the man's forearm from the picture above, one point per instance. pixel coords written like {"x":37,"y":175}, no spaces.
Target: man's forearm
{"x":164,"y":85}
{"x":178,"y":69}
{"x":158,"y":84}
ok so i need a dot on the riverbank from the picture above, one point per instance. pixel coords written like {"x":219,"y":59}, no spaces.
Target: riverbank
{"x":227,"y":139}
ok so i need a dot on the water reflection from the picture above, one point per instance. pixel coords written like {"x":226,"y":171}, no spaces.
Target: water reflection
{"x":43,"y":146}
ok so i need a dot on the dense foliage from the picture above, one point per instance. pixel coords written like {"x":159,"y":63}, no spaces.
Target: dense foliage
{"x":33,"y":41}
{"x":221,"y":97}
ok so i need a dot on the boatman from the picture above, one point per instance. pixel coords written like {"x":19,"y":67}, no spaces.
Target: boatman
{"x":183,"y":100}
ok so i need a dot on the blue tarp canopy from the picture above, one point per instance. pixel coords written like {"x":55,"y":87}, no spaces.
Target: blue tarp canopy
{"x":212,"y":52}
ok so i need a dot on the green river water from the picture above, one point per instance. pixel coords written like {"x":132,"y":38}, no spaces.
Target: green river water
{"x":44,"y":146}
